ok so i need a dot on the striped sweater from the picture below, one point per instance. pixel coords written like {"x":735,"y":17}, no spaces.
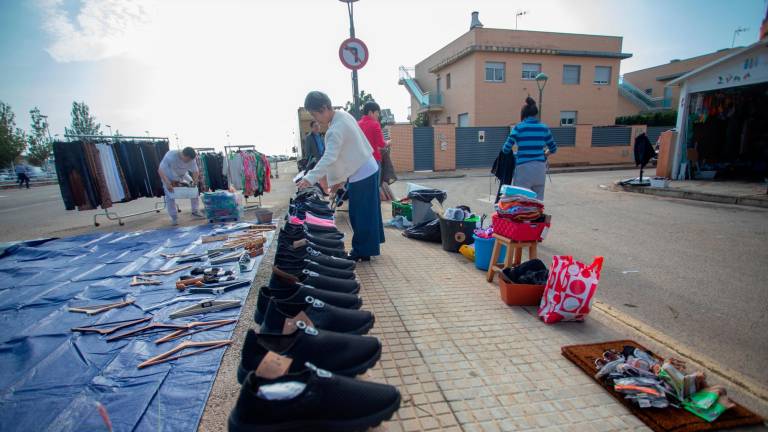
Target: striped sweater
{"x":531,"y":136}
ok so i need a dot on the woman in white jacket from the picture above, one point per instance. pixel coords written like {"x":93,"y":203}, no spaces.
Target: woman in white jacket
{"x":348,"y":157}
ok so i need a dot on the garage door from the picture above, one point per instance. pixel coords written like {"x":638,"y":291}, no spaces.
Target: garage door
{"x":423,"y":148}
{"x":472,"y":151}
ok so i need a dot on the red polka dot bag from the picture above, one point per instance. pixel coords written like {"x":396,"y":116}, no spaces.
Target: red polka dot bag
{"x":570,"y":289}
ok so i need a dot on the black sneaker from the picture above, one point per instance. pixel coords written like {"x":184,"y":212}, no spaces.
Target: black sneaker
{"x":330,"y":261}
{"x":312,"y":229}
{"x":296,"y":266}
{"x":296,"y":293}
{"x":329,"y":271}
{"x":340,"y":353}
{"x":328,"y":402}
{"x":325,"y":242}
{"x":337,"y":252}
{"x":322,"y":315}
{"x":314,"y":279}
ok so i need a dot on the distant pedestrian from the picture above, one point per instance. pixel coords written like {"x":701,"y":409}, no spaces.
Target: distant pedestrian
{"x":534,"y":143}
{"x":314,"y":145}
{"x":371,"y":127}
{"x":22,"y":174}
{"x":174,"y":171}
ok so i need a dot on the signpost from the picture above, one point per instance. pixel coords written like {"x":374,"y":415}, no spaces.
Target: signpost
{"x":354,"y":55}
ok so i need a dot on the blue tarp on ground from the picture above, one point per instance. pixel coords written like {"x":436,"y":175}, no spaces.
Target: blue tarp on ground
{"x":54,"y":379}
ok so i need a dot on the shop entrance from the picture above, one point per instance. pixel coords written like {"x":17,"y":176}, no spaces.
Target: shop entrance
{"x":728,"y":133}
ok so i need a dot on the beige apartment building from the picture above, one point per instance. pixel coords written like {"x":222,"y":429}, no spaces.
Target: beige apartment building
{"x":483,"y":77}
{"x":646,"y":89}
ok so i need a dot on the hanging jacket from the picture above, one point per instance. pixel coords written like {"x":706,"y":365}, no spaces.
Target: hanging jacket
{"x":644,"y":150}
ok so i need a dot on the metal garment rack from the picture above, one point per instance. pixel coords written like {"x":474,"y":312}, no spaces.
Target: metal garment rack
{"x":112,"y":215}
{"x":235,"y":148}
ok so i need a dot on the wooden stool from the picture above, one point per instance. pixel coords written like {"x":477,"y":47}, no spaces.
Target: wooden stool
{"x":514,"y":251}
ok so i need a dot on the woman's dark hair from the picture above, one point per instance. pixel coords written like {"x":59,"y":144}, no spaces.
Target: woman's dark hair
{"x":316,"y":101}
{"x":529,"y":109}
{"x":189,"y":152}
{"x":312,"y":123}
{"x":370,"y":107}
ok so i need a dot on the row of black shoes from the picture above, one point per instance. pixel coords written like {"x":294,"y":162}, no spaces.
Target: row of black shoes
{"x":297,"y":373}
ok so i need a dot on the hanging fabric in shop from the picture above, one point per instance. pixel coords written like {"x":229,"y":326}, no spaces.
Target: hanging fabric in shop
{"x":211,"y":166}
{"x":248,"y":171}
{"x":99,"y":174}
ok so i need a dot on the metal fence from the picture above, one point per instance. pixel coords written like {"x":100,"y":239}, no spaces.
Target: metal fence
{"x":471,"y":152}
{"x":611,"y":136}
{"x":564,"y":136}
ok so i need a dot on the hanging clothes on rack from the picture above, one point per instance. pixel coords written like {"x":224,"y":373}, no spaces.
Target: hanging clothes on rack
{"x":211,"y":166}
{"x":249,"y":172}
{"x":99,"y":172}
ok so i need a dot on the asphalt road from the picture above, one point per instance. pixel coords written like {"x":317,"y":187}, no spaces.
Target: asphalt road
{"x":694,"y":271}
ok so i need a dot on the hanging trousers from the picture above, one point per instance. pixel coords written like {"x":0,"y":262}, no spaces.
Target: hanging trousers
{"x":365,"y":216}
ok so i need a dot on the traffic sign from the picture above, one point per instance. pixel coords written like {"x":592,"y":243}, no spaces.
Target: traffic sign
{"x":353,"y":53}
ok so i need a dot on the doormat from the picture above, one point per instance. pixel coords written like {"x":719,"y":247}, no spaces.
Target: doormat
{"x":660,"y":420}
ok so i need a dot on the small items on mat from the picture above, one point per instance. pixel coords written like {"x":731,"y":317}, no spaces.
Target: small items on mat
{"x":169,"y":355}
{"x":174,"y":301}
{"x":205,"y":307}
{"x":659,"y":392}
{"x":179,"y":330}
{"x":184,"y":282}
{"x":175,"y":255}
{"x":141,"y":280}
{"x":165,"y":272}
{"x":97,"y":309}
{"x":99,"y":328}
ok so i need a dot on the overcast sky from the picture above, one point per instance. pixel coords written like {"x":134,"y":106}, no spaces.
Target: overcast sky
{"x":201,"y":68}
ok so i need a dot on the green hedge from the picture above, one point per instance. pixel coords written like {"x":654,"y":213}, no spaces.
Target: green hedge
{"x":662,"y":118}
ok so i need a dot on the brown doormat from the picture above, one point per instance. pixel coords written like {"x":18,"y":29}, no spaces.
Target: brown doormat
{"x":660,"y":420}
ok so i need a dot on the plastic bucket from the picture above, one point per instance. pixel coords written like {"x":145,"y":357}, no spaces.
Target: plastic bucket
{"x":483,"y":250}
{"x":456,"y":233}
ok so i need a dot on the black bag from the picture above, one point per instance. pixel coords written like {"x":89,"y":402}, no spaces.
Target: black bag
{"x":533,"y":272}
{"x":427,"y":231}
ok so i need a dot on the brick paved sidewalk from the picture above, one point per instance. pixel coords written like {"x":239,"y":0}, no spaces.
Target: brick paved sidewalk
{"x":464,"y":360}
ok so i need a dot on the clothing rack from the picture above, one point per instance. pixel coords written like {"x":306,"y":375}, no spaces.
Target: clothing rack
{"x":229,"y":149}
{"x":113,"y":215}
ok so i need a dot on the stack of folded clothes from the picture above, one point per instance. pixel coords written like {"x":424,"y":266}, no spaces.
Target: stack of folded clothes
{"x":297,"y":372}
{"x":520,"y":208}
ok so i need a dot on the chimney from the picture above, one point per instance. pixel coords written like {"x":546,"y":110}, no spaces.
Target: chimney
{"x":475,"y":20}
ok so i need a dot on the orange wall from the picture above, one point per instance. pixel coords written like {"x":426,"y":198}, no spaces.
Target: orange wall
{"x":445,"y":160}
{"x":401,"y":136}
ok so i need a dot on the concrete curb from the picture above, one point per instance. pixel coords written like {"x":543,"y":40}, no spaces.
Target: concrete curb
{"x":697,"y":196}
{"x":552,"y":170}
{"x":31,"y":184}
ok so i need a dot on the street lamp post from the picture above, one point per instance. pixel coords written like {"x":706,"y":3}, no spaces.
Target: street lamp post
{"x":110,"y":129}
{"x":541,"y":82}
{"x":355,"y":92}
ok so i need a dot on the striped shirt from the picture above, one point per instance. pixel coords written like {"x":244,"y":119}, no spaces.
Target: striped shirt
{"x":531,"y":136}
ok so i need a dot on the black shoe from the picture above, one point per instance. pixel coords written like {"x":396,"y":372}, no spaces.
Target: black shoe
{"x":329,"y":402}
{"x":328,"y":235}
{"x":339,"y":253}
{"x":312,"y":228}
{"x":307,"y":277}
{"x":296,"y":266}
{"x":329,"y":271}
{"x":325,"y":242}
{"x":322,"y":315}
{"x":330,"y":261}
{"x":297,"y":293}
{"x":340,"y":353}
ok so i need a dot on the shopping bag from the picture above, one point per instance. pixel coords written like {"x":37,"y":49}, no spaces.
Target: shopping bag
{"x":570,"y":288}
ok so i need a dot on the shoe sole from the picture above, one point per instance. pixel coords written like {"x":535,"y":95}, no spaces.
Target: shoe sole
{"x":354,"y":425}
{"x":258,"y":316}
{"x":362,"y":331}
{"x":242,"y":374}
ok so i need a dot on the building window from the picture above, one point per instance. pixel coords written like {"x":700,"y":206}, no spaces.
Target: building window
{"x":602,"y":75}
{"x":571,"y":74}
{"x":447,"y":82}
{"x":448,"y":119}
{"x":463,"y":120}
{"x":567,"y":118}
{"x":530,"y":70}
{"x":494,"y":72}
{"x":649,"y":91}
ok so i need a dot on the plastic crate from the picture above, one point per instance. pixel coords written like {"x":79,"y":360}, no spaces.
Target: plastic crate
{"x":402,"y":209}
{"x":520,"y":294}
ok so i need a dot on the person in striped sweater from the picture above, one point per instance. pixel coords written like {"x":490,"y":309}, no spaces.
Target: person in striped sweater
{"x":534,"y":143}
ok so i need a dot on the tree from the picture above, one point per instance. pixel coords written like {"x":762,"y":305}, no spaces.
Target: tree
{"x":364,"y":97}
{"x":12,"y":139}
{"x":39,"y":139}
{"x":82,"y":121}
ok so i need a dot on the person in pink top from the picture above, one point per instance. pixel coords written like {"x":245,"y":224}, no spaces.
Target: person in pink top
{"x":369,"y":123}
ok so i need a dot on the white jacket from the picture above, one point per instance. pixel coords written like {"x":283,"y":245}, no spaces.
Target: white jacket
{"x":346,"y":150}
